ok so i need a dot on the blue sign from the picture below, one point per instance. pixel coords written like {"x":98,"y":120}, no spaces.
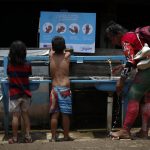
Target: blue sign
{"x":78,"y":30}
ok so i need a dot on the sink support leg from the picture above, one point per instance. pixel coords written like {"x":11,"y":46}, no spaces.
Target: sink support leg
{"x":122,"y":112}
{"x":109,"y":111}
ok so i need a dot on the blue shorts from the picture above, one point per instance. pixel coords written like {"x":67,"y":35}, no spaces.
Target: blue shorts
{"x":61,"y":100}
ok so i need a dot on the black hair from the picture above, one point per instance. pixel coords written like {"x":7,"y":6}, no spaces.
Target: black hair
{"x":114,"y":28}
{"x":17,"y":53}
{"x":58,"y":44}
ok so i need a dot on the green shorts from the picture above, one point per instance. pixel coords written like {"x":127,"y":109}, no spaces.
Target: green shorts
{"x":140,"y":85}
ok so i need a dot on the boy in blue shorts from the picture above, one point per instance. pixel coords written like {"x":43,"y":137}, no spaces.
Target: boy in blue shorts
{"x":60,"y":96}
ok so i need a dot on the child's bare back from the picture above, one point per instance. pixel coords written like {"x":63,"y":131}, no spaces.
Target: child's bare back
{"x":59,"y":69}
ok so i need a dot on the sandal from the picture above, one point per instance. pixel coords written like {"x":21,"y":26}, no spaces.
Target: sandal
{"x":28,"y":139}
{"x":68,"y":139}
{"x":141,"y":134}
{"x":13,"y":140}
{"x":55,"y":138}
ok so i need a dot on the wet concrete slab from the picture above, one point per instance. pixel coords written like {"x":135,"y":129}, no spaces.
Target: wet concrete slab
{"x":84,"y":140}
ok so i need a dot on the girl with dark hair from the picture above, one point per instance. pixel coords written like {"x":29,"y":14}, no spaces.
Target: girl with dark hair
{"x":18,"y":71}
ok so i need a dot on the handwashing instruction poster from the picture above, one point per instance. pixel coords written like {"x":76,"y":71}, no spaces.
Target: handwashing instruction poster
{"x":78,"y":30}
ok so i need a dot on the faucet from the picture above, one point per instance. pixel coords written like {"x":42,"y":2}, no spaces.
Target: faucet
{"x":110,"y":67}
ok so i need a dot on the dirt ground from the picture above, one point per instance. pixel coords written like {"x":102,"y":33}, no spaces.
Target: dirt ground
{"x":84,"y":140}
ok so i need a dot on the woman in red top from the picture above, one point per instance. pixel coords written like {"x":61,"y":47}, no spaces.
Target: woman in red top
{"x":131,"y":44}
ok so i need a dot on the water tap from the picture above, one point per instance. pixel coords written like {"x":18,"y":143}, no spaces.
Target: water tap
{"x":110,"y":67}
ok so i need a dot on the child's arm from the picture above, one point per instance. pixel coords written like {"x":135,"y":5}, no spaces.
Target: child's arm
{"x":51,"y":52}
{"x":68,"y":52}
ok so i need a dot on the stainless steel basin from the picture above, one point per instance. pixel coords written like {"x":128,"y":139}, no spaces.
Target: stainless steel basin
{"x":103,"y":83}
{"x":106,"y":83}
{"x":109,"y":83}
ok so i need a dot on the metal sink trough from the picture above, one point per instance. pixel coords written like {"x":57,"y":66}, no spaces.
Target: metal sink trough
{"x":102,"y":83}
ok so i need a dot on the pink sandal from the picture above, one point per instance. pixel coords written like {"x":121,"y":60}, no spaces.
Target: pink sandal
{"x":13,"y":140}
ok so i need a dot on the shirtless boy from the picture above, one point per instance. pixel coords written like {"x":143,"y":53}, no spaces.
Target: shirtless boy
{"x":60,"y":96}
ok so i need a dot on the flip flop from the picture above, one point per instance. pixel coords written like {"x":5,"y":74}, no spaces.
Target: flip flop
{"x":12,"y":140}
{"x":68,"y":139}
{"x":28,"y":139}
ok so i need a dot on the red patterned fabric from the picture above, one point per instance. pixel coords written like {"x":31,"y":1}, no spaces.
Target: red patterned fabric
{"x":18,"y":76}
{"x":131,"y":45}
{"x":131,"y":115}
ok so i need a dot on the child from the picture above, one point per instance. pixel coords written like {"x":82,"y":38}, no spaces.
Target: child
{"x":60,"y":97}
{"x":18,"y":71}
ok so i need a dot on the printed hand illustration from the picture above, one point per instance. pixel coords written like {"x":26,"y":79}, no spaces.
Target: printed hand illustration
{"x":48,"y":29}
{"x":74,"y":29}
{"x":60,"y":29}
{"x":87,"y":29}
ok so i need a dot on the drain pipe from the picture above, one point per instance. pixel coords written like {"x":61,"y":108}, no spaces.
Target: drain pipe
{"x":109,"y":110}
